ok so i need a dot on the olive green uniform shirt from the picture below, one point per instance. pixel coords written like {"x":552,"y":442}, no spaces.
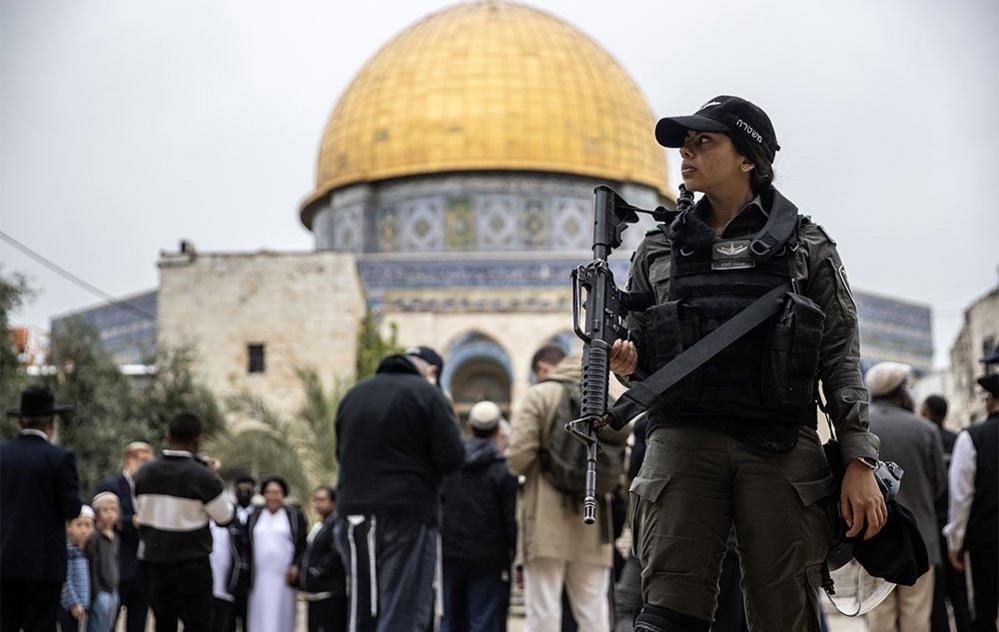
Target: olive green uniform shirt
{"x":820,"y":276}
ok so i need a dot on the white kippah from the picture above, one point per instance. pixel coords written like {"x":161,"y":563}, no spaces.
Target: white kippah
{"x":885,"y":377}
{"x":485,"y":416}
{"x":86,"y":511}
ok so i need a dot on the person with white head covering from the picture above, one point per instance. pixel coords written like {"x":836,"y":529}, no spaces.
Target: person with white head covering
{"x":480,"y":530}
{"x":913,"y":443}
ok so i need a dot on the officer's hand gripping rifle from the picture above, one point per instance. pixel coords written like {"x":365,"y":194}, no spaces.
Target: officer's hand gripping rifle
{"x":598,"y":319}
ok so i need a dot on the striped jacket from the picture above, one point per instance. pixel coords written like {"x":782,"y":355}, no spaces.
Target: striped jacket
{"x":76,"y":588}
{"x":176,"y":496}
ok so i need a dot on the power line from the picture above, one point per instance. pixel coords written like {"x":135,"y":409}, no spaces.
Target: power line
{"x":66,"y":274}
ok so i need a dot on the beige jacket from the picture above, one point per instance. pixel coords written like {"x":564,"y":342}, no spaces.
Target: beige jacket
{"x":549,"y":524}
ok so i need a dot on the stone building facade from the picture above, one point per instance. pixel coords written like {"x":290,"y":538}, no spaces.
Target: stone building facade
{"x":978,"y":337}
{"x":254,"y":319}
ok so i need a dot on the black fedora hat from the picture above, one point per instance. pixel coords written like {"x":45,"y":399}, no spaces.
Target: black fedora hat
{"x":38,"y":401}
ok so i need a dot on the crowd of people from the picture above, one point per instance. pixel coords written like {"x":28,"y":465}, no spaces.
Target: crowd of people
{"x":425,"y":525}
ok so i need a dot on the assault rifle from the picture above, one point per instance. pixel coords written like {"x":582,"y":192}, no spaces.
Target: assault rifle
{"x":599,"y":308}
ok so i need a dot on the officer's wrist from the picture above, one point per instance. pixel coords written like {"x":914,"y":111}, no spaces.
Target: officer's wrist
{"x":867,"y":462}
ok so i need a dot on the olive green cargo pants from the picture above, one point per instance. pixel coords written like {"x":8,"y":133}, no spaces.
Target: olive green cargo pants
{"x":694,"y":484}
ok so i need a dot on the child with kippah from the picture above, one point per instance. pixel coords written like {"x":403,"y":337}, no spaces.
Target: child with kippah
{"x":75,"y":598}
{"x":102,"y":553}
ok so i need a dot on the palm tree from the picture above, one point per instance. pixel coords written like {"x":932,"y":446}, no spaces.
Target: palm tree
{"x":299,"y":448}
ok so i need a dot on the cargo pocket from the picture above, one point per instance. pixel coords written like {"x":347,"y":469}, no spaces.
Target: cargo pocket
{"x":646,"y":491}
{"x":820,"y":513}
{"x":791,"y":361}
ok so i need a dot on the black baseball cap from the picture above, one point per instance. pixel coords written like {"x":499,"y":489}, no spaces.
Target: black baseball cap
{"x":430,"y":356}
{"x":725,"y":114}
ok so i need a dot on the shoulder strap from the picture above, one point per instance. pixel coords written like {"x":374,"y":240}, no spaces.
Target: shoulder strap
{"x":643,"y":395}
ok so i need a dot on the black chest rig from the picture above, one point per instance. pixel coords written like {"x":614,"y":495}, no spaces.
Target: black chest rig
{"x":769,"y":373}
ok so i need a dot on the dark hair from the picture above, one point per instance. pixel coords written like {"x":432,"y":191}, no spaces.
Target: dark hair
{"x":273,"y":478}
{"x":185,"y":427}
{"x":329,"y":491}
{"x":37,"y":423}
{"x":937,"y":406}
{"x":483,"y":433}
{"x":762,"y":175}
{"x":245,"y":478}
{"x":549,"y":354}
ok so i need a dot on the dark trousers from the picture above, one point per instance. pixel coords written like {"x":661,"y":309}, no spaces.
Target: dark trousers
{"x":400,"y":556}
{"x":985,"y":577}
{"x":182,"y":591}
{"x":473,"y":599}
{"x":949,"y":585}
{"x":328,"y":615}
{"x":221,"y":615}
{"x":134,"y":595}
{"x":238,"y":620}
{"x":29,"y":604}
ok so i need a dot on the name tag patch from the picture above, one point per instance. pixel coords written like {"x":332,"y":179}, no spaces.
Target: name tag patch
{"x":732,"y":255}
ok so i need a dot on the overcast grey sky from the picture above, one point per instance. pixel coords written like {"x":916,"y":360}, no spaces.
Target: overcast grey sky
{"x":128,"y":125}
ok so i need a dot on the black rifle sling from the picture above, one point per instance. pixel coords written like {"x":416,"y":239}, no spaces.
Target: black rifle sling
{"x":643,"y":395}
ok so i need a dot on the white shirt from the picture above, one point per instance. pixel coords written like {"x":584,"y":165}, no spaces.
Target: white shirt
{"x":963,"y":466}
{"x":221,"y":561}
{"x":36,"y":432}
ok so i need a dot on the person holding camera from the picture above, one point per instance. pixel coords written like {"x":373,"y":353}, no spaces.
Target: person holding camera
{"x":177,"y":495}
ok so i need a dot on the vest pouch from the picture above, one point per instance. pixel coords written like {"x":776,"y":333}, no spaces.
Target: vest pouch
{"x":791,"y":358}
{"x":669,"y":330}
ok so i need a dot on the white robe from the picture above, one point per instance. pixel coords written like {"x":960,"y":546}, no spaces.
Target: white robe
{"x":271,"y":606}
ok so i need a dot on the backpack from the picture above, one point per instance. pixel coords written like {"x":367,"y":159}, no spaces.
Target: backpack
{"x":563,"y":459}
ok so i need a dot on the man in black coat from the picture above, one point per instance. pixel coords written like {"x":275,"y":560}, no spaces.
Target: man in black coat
{"x":39,"y":492}
{"x":323,"y":578}
{"x":950,"y":584}
{"x":396,"y":438}
{"x":479,"y":534}
{"x":133,"y":586}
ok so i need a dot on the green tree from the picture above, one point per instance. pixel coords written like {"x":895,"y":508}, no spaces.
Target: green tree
{"x":14,"y":292}
{"x":298,"y":447}
{"x":174,"y":389}
{"x":105,"y":416}
{"x":372,"y":346}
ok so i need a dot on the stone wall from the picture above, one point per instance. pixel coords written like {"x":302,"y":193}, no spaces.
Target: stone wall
{"x":978,"y":336}
{"x":304,"y":308}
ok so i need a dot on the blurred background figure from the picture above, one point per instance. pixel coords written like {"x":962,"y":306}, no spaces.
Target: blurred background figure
{"x":39,"y":493}
{"x":973,"y":526}
{"x":323,"y":578}
{"x":915,"y":445}
{"x":277,"y":541}
{"x":479,"y":533}
{"x":133,"y":582}
{"x":75,"y":599}
{"x":949,"y":583}
{"x":102,"y":556}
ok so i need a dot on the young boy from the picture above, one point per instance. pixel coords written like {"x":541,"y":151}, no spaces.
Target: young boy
{"x":76,"y":590}
{"x":102,"y":553}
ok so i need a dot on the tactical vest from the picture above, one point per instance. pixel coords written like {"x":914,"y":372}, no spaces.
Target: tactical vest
{"x":770,"y":373}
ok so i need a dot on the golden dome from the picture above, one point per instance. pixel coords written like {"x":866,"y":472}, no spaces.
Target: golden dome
{"x":489,"y":85}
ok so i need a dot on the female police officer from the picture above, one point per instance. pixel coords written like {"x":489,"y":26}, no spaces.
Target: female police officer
{"x":735,"y":442}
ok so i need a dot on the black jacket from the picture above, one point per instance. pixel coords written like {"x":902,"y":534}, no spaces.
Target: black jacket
{"x":39,"y":492}
{"x":396,"y":437}
{"x":322,"y":569}
{"x":299,"y":531}
{"x":480,"y":522}
{"x":128,"y":542}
